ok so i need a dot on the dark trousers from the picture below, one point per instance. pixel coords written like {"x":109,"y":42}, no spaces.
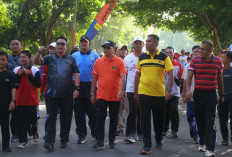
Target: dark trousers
{"x":13,"y":123}
{"x":66,"y":110}
{"x":133,"y":117}
{"x":205,"y":110}
{"x":191,"y":119}
{"x":172,"y":114}
{"x":101,"y":113}
{"x":224,"y":111}
{"x":4,"y":123}
{"x":157,"y":106}
{"x":83,"y":106}
{"x":26,"y":115}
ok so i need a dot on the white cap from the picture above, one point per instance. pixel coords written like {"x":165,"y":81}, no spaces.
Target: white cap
{"x":138,"y":38}
{"x":52,"y":44}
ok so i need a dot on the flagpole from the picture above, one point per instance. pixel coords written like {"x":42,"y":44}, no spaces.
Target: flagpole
{"x":74,"y":25}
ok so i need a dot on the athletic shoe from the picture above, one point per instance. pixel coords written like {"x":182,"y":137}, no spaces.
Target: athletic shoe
{"x":6,"y":149}
{"x":80,"y":141}
{"x":119,"y":133}
{"x":174,"y":134}
{"x":165,"y":133}
{"x":201,"y":148}
{"x":14,"y":138}
{"x":63,"y":145}
{"x":140,"y":137}
{"x":22,"y":145}
{"x":145,"y":151}
{"x":159,"y":146}
{"x":36,"y":137}
{"x":195,"y":140}
{"x":129,"y":139}
{"x":99,"y":145}
{"x":112,"y":144}
{"x":225,"y":143}
{"x":48,"y":146}
{"x":209,"y":153}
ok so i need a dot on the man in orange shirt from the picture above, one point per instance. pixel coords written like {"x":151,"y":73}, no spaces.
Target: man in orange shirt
{"x":109,"y":72}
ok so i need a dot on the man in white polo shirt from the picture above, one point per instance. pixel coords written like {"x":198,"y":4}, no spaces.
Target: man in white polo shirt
{"x":134,"y":111}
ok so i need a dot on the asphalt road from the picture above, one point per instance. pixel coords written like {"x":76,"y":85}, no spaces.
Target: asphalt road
{"x":180,"y":147}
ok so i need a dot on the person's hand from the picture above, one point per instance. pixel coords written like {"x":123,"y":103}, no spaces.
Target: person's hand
{"x":75,"y":94}
{"x":12,"y":106}
{"x":121,"y":95}
{"x":42,"y":94}
{"x":42,"y":49}
{"x":221,"y":100}
{"x":93,"y":99}
{"x":27,"y":72}
{"x":136,"y":96}
{"x":21,"y":72}
{"x":189,"y":96}
{"x":168,"y":95}
{"x":184,"y":98}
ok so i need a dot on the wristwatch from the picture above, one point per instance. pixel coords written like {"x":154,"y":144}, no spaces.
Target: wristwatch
{"x":169,"y":89}
{"x":77,"y":88}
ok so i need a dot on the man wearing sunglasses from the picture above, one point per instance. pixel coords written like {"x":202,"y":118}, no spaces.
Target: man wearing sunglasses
{"x":60,"y":94}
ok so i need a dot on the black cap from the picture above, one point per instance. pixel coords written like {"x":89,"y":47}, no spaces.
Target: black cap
{"x":109,"y":43}
{"x":84,"y":37}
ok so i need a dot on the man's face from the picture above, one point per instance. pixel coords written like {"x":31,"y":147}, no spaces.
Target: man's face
{"x":196,"y":52}
{"x":170,"y":53}
{"x":225,"y":59}
{"x":52,"y":50}
{"x":122,"y":52}
{"x":138,"y":46}
{"x":84,"y":44}
{"x":108,"y":51}
{"x":61,"y":46}
{"x":15,"y":46}
{"x":205,"y":51}
{"x":151,"y":44}
{"x":3,"y":61}
{"x":24,"y":59}
{"x":183,"y":53}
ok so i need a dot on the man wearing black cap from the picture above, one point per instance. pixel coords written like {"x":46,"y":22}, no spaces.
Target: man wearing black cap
{"x":82,"y":105}
{"x":109,"y":72}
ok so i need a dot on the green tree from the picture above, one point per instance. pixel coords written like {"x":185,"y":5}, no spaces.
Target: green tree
{"x":204,"y":19}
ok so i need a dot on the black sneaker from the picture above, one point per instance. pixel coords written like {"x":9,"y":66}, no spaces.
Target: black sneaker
{"x":99,"y":145}
{"x":36,"y":137}
{"x":165,"y":133}
{"x":63,"y":145}
{"x":174,"y":134}
{"x":49,"y":146}
{"x":225,"y":143}
{"x":14,"y":138}
{"x":112,"y":145}
{"x":80,"y":141}
{"x":6,"y":149}
{"x":119,"y":133}
{"x":195,"y":140}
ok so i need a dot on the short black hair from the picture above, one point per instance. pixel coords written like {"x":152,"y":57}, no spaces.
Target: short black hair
{"x":15,"y":38}
{"x":169,"y":47}
{"x":228,"y":53}
{"x":61,"y":37}
{"x":26,"y":52}
{"x":3,"y":53}
{"x":155,"y":37}
{"x":208,"y":42}
{"x":195,"y":47}
{"x":189,"y":58}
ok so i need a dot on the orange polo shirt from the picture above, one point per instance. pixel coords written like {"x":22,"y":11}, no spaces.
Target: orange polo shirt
{"x":109,"y":79}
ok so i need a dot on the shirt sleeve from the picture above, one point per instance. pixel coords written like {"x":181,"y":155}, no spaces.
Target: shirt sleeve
{"x":75,"y":66}
{"x":181,"y":70}
{"x":123,"y":68}
{"x":168,"y":64}
{"x":13,"y":81}
{"x":45,"y":60}
{"x":192,"y":67}
{"x":95,"y":68}
{"x":138,"y":66}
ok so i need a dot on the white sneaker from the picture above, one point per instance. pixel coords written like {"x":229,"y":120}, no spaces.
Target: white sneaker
{"x":129,"y":139}
{"x":209,"y":153}
{"x":22,"y":145}
{"x":201,"y":148}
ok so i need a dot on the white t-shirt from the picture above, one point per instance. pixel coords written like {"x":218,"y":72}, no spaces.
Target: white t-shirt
{"x":185,"y":74}
{"x":131,"y":64}
{"x":183,"y":59}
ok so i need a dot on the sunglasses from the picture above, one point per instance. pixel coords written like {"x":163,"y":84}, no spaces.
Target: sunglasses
{"x":60,"y":43}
